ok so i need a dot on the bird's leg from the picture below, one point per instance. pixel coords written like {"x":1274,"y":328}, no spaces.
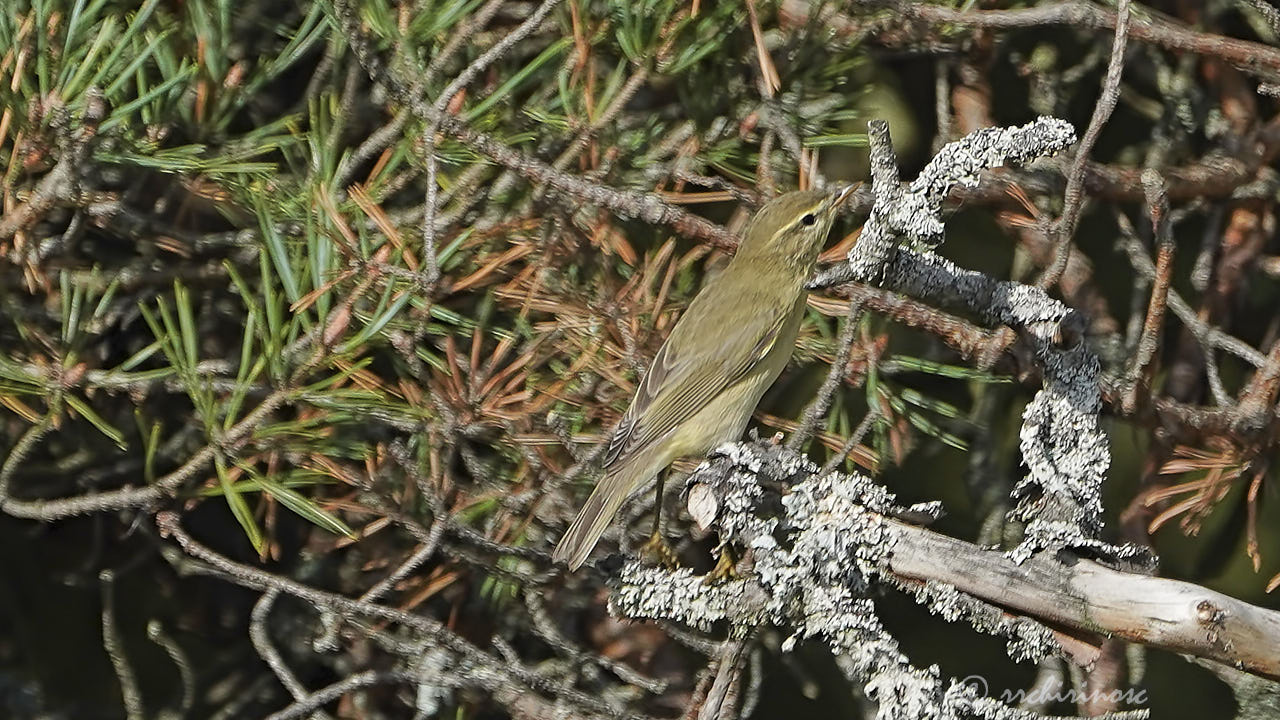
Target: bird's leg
{"x":657,"y":548}
{"x":724,"y":569}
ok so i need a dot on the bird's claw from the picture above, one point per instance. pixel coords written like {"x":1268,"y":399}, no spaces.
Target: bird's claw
{"x":724,"y":569}
{"x":658,"y":552}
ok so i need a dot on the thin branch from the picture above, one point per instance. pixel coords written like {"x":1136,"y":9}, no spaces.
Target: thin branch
{"x":817,"y":408}
{"x":436,"y":114}
{"x":156,"y":633}
{"x":868,"y":420}
{"x":111,"y":641}
{"x":1210,"y":337}
{"x":314,"y":701}
{"x":168,"y":524}
{"x":718,"y":703}
{"x":1149,"y":27}
{"x":124,"y":497}
{"x":260,"y":636}
{"x":648,"y":207}
{"x":1140,"y":368}
{"x":1073,"y":199}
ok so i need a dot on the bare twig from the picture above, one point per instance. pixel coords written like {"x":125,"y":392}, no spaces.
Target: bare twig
{"x":111,"y":641}
{"x":966,"y":338}
{"x":437,"y":113}
{"x":1150,"y":28}
{"x":259,"y":635}
{"x":648,"y":207}
{"x":1073,"y":199}
{"x":718,"y":705}
{"x":1211,"y":337}
{"x":169,"y":526}
{"x":124,"y":497}
{"x":314,"y":701}
{"x":1141,"y":369}
{"x":186,"y":675}
{"x":817,"y":408}
{"x":868,"y":420}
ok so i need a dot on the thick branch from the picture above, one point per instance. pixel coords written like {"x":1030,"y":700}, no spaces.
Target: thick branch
{"x":1083,"y":595}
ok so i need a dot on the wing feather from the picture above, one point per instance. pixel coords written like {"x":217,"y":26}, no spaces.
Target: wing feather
{"x":677,"y":387}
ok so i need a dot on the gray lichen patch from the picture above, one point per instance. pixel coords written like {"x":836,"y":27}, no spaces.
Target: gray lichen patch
{"x":652,"y":592}
{"x":1062,"y":441}
{"x":817,"y":546}
{"x":1028,"y":639}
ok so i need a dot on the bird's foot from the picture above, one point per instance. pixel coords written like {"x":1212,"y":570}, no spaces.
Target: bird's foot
{"x":724,"y":569}
{"x":658,"y":552}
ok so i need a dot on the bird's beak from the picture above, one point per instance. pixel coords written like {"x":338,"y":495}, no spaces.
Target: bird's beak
{"x":842,"y":195}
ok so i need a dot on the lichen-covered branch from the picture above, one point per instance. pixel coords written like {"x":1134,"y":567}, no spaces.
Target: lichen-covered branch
{"x":817,"y":543}
{"x":1062,"y":443}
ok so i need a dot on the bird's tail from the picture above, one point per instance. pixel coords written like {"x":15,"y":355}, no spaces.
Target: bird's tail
{"x":594,"y":517}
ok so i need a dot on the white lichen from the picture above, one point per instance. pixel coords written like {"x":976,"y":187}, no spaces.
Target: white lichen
{"x":818,"y":547}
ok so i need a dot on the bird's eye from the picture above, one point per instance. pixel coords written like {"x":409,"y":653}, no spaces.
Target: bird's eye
{"x":808,"y":219}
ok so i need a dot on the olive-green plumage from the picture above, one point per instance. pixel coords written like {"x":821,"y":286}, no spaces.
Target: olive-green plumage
{"x":726,"y":350}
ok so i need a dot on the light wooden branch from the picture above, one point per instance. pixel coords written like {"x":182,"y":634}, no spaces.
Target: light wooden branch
{"x":1084,"y":595}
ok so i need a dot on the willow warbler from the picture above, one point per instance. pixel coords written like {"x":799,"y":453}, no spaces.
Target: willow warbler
{"x":726,"y":350}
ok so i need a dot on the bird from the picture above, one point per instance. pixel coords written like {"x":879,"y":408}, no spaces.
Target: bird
{"x":725,"y":351}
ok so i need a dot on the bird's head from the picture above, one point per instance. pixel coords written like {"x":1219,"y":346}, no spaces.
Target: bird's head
{"x":791,"y":228}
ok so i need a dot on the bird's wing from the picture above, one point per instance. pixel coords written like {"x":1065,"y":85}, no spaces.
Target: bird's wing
{"x":678,"y":386}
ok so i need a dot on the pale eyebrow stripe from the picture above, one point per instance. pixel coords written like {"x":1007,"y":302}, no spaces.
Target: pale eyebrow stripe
{"x":796,"y":221}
